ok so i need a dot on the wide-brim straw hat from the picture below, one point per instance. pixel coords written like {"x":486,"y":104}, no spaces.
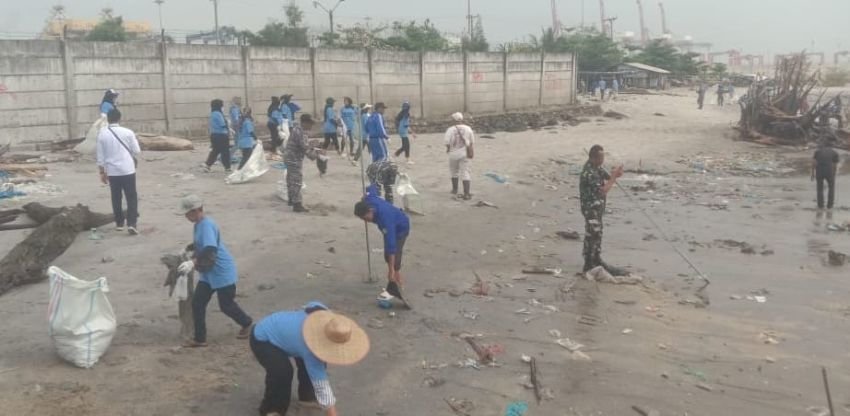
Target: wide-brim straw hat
{"x":334,"y":338}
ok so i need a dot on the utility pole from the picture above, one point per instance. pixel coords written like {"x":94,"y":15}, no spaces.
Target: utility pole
{"x":318,"y":5}
{"x":217,"y":35}
{"x":582,"y":14}
{"x":159,"y":3}
{"x":469,"y":18}
{"x":610,"y":21}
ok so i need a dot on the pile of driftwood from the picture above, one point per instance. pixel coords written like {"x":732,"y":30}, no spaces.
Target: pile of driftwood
{"x":55,"y":231}
{"x":779,"y":111}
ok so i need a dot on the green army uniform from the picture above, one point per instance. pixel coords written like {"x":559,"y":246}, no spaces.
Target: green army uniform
{"x":591,"y":183}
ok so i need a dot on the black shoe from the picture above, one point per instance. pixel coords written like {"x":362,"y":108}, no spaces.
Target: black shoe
{"x":299,"y":208}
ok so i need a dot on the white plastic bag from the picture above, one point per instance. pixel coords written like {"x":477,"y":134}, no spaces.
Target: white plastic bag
{"x":89,"y":145}
{"x":181,"y":288}
{"x":409,"y":196}
{"x":255,"y":167}
{"x":81,"y":320}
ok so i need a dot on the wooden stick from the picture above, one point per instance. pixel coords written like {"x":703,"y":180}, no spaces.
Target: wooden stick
{"x":534,"y":380}
{"x":828,"y":394}
{"x":484,"y":356}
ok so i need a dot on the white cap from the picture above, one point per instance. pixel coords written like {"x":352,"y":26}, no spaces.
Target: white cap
{"x":191,"y":202}
{"x":457,"y":116}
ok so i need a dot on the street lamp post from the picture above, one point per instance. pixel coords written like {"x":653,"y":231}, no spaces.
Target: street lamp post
{"x":317,"y":4}
{"x":159,"y":3}
{"x":217,"y":35}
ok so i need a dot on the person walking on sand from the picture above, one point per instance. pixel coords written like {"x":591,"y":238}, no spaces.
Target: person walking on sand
{"x":219,"y":137}
{"x":117,"y":152}
{"x":824,"y":169}
{"x":247,"y":136}
{"x":275,"y":121}
{"x":460,"y":140}
{"x":329,"y":126}
{"x":701,"y":95}
{"x":297,"y":148}
{"x":218,"y":273}
{"x":377,"y":133}
{"x":395,"y":225}
{"x":365,"y":113}
{"x":594,"y":184}
{"x":235,"y":113}
{"x":721,"y":90}
{"x":312,"y":337}
{"x":402,"y":123}
{"x":348,"y":114}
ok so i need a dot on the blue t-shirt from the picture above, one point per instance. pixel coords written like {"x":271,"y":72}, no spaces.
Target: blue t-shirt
{"x":106,"y":106}
{"x":218,"y":125}
{"x":286,"y":113}
{"x":294,"y":108}
{"x":277,"y":117}
{"x":246,"y":135}
{"x":392,"y":221}
{"x":235,"y":115}
{"x":330,"y":115}
{"x":404,"y":126}
{"x":348,"y":115}
{"x":223,"y":273}
{"x":285,"y":330}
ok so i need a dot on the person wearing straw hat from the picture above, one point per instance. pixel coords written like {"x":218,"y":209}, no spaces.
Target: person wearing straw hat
{"x":314,"y":337}
{"x":217,"y":269}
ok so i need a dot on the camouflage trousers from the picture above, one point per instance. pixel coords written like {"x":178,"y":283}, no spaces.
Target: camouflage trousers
{"x":294,"y":178}
{"x":592,"y":240}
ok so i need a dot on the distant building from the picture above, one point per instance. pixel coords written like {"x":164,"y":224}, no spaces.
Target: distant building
{"x":637,"y":75}
{"x":80,"y":28}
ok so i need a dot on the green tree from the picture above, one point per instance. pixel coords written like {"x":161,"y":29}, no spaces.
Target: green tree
{"x":596,"y":51}
{"x":412,"y":36}
{"x":477,"y":41}
{"x":662,"y":54}
{"x":719,"y":70}
{"x":109,"y":29}
{"x":291,"y":33}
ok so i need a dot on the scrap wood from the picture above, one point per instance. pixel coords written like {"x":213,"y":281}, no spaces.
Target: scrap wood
{"x":534,"y":380}
{"x":485,"y":355}
{"x":460,"y":407}
{"x":13,"y":168}
{"x":164,"y":143}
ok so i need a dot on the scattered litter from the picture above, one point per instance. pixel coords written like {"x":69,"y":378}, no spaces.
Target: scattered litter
{"x":662,"y":347}
{"x":431,"y":381}
{"x":469,"y":314}
{"x":836,"y":258}
{"x":516,"y":409}
{"x":94,"y":235}
{"x":817,"y":411}
{"x":430,"y":293}
{"x":770,"y":360}
{"x":696,"y":373}
{"x":569,"y":344}
{"x":543,"y":270}
{"x":836,"y":227}
{"x":704,"y":386}
{"x":523,"y":311}
{"x":429,"y":366}
{"x":599,"y":274}
{"x":525,"y":358}
{"x":375,"y":323}
{"x":555,"y":333}
{"x":480,"y":287}
{"x":627,"y":331}
{"x":569,"y":235}
{"x":768,"y":337}
{"x":580,"y":356}
{"x":263,"y":287}
{"x":520,"y":237}
{"x":496,"y":177}
{"x":551,"y":187}
{"x":482,"y":203}
{"x":107,"y":259}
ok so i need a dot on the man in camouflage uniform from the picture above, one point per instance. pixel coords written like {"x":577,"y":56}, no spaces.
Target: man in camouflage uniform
{"x":297,"y":148}
{"x":594,"y":185}
{"x":383,"y":173}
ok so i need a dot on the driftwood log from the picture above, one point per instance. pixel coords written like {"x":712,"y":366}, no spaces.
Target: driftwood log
{"x":184,"y":307}
{"x":164,"y":143}
{"x":58,"y":227}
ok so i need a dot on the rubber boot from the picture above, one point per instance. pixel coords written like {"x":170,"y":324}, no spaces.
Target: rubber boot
{"x":614,"y":270}
{"x":299,"y":208}
{"x":466,"y":195}
{"x":454,"y":186}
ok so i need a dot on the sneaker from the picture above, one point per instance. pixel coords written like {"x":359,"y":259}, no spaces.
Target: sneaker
{"x":244,"y":333}
{"x":467,"y":197}
{"x":386,"y":296}
{"x":132,"y":230}
{"x":205,"y":168}
{"x":298,"y":207}
{"x":410,"y":162}
{"x":119,"y":228}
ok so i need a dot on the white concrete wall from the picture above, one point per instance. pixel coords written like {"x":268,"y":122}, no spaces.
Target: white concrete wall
{"x":51,"y":90}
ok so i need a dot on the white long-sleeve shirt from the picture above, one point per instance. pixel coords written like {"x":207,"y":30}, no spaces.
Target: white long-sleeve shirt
{"x":112,"y":156}
{"x":458,"y":138}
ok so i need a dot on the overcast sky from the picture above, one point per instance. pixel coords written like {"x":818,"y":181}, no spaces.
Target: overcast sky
{"x":754,"y":26}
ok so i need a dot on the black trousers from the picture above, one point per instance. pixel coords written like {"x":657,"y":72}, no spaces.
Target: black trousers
{"x":405,"y":147}
{"x":351,"y":149}
{"x":246,"y":154}
{"x":226,"y":302}
{"x":125,"y":185}
{"x":279,"y":373}
{"x":331,"y":137}
{"x":829,"y":179}
{"x":399,"y":252}
{"x":220,"y":146}
{"x":276,"y":140}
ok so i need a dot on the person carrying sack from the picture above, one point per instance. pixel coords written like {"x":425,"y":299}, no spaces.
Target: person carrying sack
{"x":117,"y":149}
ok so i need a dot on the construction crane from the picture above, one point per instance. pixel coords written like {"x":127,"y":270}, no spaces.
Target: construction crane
{"x":556,"y":22}
{"x":838,"y":55}
{"x":664,"y":29}
{"x":603,"y":18}
{"x":644,"y":33}
{"x":752,"y":60}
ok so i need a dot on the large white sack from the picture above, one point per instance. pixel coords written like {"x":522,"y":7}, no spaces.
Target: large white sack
{"x":254,"y":168}
{"x":410,"y":197}
{"x":81,"y":320}
{"x":89,"y":145}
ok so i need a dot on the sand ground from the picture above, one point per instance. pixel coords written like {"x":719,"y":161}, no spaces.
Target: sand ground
{"x":648,"y":345}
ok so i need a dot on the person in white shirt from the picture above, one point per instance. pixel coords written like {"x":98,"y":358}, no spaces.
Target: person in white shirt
{"x":459,"y":145}
{"x":117,"y":150}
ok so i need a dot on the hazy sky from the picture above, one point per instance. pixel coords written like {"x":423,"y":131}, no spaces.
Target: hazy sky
{"x":750,"y":25}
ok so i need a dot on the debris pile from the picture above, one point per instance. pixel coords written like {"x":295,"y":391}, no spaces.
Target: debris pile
{"x":778,"y":111}
{"x":517,"y":121}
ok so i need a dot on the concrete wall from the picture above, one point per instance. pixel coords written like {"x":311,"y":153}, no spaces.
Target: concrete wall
{"x":51,"y":90}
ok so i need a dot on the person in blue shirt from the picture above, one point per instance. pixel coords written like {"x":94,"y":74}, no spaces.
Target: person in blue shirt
{"x":108,"y":102}
{"x":235,"y":113}
{"x":395,"y":226}
{"x":329,"y":126}
{"x":275,"y":121}
{"x":217,"y":269}
{"x":219,"y":136}
{"x":314,"y":337}
{"x":246,"y":136}
{"x":348,"y":114}
{"x":294,"y":108}
{"x":286,"y":111}
{"x":402,"y":124}
{"x":365,"y":112}
{"x":377,"y":134}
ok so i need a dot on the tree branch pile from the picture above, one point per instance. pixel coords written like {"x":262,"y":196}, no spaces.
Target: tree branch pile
{"x":778,"y":110}
{"x":57,"y":228}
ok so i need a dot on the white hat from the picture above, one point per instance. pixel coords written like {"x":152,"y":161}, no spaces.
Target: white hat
{"x":457,"y":116}
{"x":191,"y":202}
